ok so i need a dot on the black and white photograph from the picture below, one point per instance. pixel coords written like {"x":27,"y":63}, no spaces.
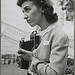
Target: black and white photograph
{"x":37,"y":37}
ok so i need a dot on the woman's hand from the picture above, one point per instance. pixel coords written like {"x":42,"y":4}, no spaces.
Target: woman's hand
{"x":34,"y":51}
{"x":23,"y":51}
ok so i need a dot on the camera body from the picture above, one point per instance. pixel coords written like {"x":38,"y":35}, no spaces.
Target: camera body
{"x":24,"y":60}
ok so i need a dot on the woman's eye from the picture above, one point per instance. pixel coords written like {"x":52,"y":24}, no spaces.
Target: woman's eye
{"x":27,"y":10}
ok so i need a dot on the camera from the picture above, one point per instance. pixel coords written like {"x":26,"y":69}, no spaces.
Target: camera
{"x":24,"y":60}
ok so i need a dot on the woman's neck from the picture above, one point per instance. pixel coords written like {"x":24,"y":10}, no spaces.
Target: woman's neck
{"x":44,"y":23}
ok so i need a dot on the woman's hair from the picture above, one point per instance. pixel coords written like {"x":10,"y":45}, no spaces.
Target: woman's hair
{"x":46,"y":7}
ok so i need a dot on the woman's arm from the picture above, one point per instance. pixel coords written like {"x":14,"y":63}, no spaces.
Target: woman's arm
{"x":58,"y":57}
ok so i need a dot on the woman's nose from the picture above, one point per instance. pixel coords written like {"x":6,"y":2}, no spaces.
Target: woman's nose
{"x":25,"y":16}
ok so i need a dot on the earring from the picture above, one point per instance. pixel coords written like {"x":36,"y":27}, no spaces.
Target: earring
{"x":42,"y":11}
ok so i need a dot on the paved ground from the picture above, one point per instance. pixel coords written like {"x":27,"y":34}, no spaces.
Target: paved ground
{"x":12,"y":70}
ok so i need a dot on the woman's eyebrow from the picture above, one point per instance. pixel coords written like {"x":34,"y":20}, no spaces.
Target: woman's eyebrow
{"x":24,"y":8}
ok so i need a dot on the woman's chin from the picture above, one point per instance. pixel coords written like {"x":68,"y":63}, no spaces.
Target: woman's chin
{"x":32,"y":25}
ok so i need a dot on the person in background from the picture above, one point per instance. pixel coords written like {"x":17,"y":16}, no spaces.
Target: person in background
{"x":50,"y":58}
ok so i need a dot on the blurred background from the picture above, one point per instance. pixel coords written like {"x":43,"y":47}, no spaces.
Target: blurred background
{"x":14,"y":27}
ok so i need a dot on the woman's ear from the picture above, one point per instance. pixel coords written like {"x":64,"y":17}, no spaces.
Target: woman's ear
{"x":42,"y":11}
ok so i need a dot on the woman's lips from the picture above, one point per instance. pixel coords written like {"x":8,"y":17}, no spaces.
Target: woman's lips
{"x":29,"y":21}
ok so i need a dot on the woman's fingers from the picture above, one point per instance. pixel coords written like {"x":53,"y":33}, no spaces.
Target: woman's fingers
{"x":29,"y":52}
{"x":22,"y":51}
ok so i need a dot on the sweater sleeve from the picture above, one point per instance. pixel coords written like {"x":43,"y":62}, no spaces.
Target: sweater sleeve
{"x":58,"y":56}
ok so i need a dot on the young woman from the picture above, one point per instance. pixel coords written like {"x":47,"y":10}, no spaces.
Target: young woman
{"x":51,"y":55}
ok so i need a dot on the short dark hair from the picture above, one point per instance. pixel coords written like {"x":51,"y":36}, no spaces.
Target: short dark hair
{"x":48,"y":9}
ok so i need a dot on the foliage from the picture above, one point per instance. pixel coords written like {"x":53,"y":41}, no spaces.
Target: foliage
{"x":70,"y":67}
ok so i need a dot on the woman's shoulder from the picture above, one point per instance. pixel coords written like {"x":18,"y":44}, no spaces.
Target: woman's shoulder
{"x":58,"y":31}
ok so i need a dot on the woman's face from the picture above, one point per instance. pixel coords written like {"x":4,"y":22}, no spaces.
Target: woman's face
{"x":32,"y":13}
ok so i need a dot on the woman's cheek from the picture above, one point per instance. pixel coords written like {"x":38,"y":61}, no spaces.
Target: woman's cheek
{"x":34,"y":14}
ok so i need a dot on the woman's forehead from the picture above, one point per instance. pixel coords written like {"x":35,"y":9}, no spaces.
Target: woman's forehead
{"x":27,"y":4}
